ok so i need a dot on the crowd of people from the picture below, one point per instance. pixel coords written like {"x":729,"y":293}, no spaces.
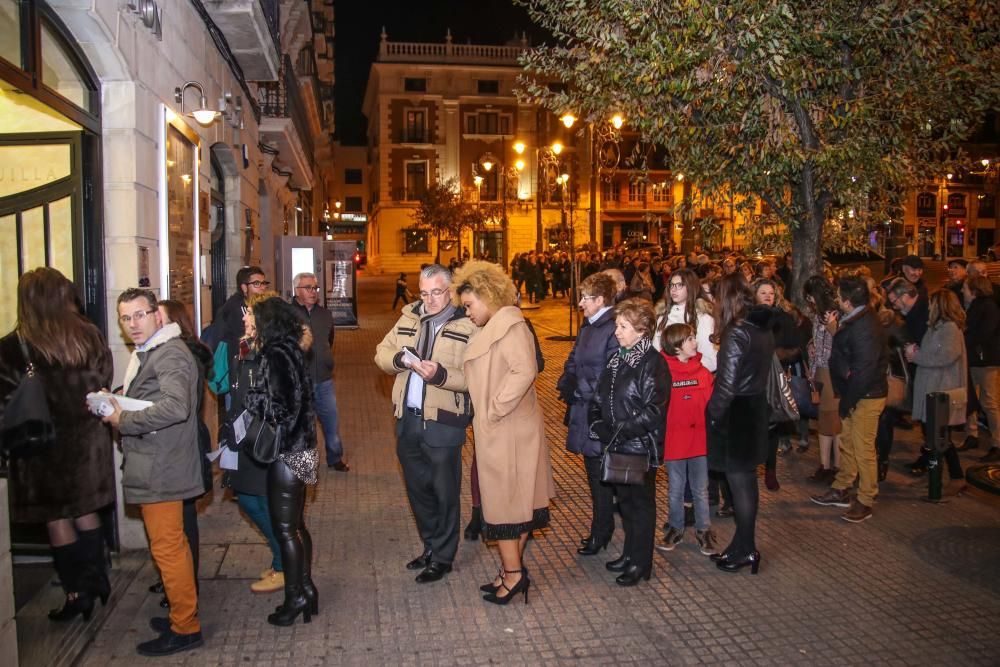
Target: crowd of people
{"x":675,"y":366}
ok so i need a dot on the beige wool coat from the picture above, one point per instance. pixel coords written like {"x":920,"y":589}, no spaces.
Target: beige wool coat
{"x":515,"y":476}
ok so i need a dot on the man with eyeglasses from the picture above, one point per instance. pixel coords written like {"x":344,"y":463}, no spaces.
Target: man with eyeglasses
{"x":249,"y":280}
{"x":425,"y":350}
{"x":162,"y":461}
{"x":320,"y":361}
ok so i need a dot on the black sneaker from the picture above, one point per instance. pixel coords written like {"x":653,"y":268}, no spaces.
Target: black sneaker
{"x":971,"y":442}
{"x":671,"y":540}
{"x":168,"y":643}
{"x":706,"y":542}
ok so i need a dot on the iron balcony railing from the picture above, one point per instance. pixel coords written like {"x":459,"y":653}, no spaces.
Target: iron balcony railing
{"x":283,"y":99}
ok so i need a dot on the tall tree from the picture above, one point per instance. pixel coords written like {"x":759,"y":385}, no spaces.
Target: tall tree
{"x":443,"y":210}
{"x":827,"y":111}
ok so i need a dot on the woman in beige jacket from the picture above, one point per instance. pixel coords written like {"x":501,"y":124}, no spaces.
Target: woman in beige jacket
{"x":515,"y":477}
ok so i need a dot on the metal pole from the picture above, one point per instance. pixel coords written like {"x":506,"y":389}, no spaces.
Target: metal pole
{"x":593,"y":185}
{"x":935,"y":441}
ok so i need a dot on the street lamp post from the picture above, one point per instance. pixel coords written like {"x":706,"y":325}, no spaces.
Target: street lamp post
{"x":505,"y":175}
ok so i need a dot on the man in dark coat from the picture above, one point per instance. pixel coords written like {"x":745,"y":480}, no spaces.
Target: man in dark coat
{"x":320,"y":362}
{"x":982,"y":344}
{"x":229,"y":319}
{"x":858,"y":365}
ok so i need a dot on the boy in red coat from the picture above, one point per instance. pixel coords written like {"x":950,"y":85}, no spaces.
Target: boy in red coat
{"x":685,"y":448}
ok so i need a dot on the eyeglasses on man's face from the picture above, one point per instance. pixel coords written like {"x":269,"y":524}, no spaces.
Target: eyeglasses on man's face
{"x":259,"y":283}
{"x":434,"y":293}
{"x":137,"y":316}
{"x":310,"y":288}
{"x":587,"y":297}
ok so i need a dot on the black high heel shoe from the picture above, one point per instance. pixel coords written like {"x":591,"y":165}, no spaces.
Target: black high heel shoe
{"x":632,"y":575}
{"x":290,"y":610}
{"x":82,"y":604}
{"x":619,"y":564}
{"x":491,"y":587}
{"x":593,"y":547}
{"x":521,"y":586}
{"x":736,"y":564}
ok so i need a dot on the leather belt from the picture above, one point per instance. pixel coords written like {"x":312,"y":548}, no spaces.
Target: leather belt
{"x":416,"y":412}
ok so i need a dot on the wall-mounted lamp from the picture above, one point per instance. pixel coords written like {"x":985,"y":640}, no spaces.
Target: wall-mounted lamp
{"x":203,"y":115}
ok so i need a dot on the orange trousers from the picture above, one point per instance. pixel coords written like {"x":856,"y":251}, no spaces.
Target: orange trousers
{"x":171,"y":553}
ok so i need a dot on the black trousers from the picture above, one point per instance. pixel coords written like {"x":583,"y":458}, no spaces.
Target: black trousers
{"x":602,"y":498}
{"x":286,"y":500}
{"x":638,"y":505}
{"x":433,"y":477}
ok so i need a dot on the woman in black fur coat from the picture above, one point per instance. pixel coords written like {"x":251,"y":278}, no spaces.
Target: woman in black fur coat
{"x":284,"y":397}
{"x":64,"y":485}
{"x":737,"y":413}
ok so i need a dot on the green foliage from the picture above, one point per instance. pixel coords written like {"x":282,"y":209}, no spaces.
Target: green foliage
{"x":817,"y":108}
{"x":445,"y":213}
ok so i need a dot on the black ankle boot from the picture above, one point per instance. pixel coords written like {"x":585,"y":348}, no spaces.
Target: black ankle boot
{"x":475,"y":525}
{"x":294,"y":604}
{"x":919,"y":467}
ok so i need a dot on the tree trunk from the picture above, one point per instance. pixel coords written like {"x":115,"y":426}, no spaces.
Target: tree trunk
{"x":807,"y":257}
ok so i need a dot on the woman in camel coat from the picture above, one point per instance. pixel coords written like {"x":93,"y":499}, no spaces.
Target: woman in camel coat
{"x":515,"y":477}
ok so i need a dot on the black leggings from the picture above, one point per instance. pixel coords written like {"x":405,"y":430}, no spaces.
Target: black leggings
{"x":743,"y":487}
{"x":286,"y":498}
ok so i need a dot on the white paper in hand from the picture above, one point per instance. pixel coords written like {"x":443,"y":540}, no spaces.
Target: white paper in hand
{"x":99,"y":403}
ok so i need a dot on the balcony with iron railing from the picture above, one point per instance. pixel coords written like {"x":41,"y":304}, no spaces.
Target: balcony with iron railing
{"x":285,"y":123}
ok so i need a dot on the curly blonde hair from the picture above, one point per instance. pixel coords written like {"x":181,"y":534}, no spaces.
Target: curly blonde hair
{"x":488,"y":281}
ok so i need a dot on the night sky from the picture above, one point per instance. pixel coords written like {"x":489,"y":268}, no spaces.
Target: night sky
{"x":358,"y":24}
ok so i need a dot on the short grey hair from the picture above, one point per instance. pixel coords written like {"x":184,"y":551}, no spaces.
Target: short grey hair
{"x":903,"y":287}
{"x":433,"y":270}
{"x":976,"y":267}
{"x":299,"y":276}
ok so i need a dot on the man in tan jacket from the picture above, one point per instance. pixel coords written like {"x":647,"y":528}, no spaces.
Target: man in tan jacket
{"x":432,"y":410}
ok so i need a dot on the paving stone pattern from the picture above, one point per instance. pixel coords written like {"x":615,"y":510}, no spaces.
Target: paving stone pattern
{"x":918,"y":584}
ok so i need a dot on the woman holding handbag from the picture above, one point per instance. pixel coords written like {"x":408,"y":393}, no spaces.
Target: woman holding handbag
{"x":821,"y":301}
{"x":283,"y":400}
{"x":737,"y":413}
{"x":628,"y":415}
{"x":66,"y":483}
{"x":942,"y":366}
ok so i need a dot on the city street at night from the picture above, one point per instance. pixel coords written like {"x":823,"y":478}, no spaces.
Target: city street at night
{"x":915,"y":585}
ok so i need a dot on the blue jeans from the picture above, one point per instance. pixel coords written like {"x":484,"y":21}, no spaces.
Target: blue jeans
{"x":326,"y":410}
{"x":693,"y":472}
{"x":256,"y":508}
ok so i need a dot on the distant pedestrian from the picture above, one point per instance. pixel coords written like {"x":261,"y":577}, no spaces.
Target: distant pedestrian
{"x":402,"y":293}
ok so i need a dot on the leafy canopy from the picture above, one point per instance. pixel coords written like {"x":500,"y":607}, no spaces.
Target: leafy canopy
{"x":822,"y":109}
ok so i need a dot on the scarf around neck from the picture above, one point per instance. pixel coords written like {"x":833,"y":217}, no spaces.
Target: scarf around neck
{"x":631,"y":355}
{"x":429,"y":326}
{"x":162,"y":335}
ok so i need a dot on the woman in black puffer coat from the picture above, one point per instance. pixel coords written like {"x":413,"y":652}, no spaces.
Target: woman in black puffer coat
{"x":284,"y":397}
{"x":737,"y":413}
{"x":595,"y":345}
{"x":630,"y":409}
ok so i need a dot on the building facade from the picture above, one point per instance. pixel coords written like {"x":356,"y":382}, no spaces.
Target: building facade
{"x":109,"y":175}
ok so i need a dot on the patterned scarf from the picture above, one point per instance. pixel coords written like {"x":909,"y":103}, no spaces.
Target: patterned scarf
{"x":630,"y":355}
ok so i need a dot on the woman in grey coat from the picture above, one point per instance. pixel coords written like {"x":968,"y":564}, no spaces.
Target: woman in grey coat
{"x":941,"y":362}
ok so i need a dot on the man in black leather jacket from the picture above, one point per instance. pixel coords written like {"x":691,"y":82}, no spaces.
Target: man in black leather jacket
{"x":858,"y":371}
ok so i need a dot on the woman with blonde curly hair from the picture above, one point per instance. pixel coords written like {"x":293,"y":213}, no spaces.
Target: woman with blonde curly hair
{"x":515,"y":477}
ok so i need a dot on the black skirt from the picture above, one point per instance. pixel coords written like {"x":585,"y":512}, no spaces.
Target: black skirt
{"x":739,"y":442}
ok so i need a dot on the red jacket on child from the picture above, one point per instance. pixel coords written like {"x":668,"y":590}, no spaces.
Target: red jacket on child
{"x":692,"y":387}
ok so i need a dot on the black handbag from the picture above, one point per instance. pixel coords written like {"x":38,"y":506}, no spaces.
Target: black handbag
{"x":620,"y":467}
{"x":27,"y":421}
{"x":779,"y":395}
{"x":263,"y":440}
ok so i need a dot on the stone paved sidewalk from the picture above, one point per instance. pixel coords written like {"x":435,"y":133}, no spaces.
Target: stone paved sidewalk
{"x":916,"y":585}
